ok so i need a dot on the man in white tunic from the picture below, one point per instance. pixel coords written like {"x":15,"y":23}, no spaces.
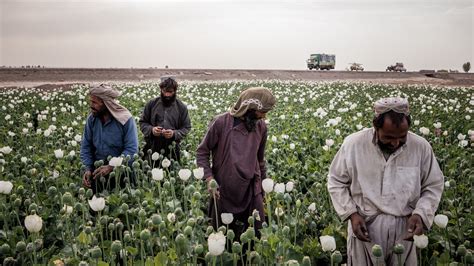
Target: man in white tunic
{"x":387,"y":181}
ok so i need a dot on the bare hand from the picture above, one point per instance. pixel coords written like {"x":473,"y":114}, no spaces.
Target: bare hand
{"x":157,"y":131}
{"x":415,"y":227}
{"x":216,"y":193}
{"x":86,"y":179}
{"x":359,"y":228}
{"x":168,"y":133}
{"x":102,"y":171}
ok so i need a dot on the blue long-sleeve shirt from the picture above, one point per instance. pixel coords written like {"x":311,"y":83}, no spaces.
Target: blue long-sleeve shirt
{"x":111,"y":138}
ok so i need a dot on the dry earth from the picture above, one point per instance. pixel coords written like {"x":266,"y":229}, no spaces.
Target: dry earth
{"x":64,"y":77}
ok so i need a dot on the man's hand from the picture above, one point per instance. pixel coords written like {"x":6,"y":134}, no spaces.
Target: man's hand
{"x":215,"y":194}
{"x":102,"y":171}
{"x":86,"y":179}
{"x":415,"y":227}
{"x":157,"y":131}
{"x":359,"y":228}
{"x":168,"y":133}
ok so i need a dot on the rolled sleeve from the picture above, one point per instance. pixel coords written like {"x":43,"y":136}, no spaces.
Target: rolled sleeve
{"x":339,"y":182}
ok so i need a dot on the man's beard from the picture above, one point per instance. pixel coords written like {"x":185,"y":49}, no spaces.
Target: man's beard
{"x":101,"y":112}
{"x":389,"y":148}
{"x":168,"y":101}
{"x":250,"y":120}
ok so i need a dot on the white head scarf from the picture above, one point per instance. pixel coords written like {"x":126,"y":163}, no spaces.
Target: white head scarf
{"x":396,"y":104}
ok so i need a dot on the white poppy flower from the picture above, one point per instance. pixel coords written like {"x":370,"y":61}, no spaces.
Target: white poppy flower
{"x":67,"y":209}
{"x":97,"y":204}
{"x":171,"y":217}
{"x":329,"y":142}
{"x":59,"y":153}
{"x":157,"y":174}
{"x":463,"y":143}
{"x":155,"y":156}
{"x":421,"y":241}
{"x":166,"y":163}
{"x":279,"y":211}
{"x":446,"y":184}
{"x":33,"y":223}
{"x":279,"y":188}
{"x":198,"y":173}
{"x":289,"y":186}
{"x":267,"y":185}
{"x":216,"y":243}
{"x":6,"y":150}
{"x":328,"y":243}
{"x":441,"y":220}
{"x":184,"y":174}
{"x":6,"y":187}
{"x":116,"y":161}
{"x":227,"y":218}
{"x":424,"y":130}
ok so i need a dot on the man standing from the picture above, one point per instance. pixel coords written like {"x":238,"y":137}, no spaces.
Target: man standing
{"x":236,"y":142}
{"x":387,"y":181}
{"x":110,"y":130}
{"x":165,"y":121}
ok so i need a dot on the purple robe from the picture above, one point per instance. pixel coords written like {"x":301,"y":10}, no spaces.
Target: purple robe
{"x":238,"y":163}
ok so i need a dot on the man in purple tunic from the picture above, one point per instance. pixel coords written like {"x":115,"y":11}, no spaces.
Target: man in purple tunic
{"x":236,"y":142}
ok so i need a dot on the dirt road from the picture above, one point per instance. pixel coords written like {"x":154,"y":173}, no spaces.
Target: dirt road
{"x":45,"y":77}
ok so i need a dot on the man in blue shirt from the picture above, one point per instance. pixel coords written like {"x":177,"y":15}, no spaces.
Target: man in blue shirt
{"x":110,"y":130}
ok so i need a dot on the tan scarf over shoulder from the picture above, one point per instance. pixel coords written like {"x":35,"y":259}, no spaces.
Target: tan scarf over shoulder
{"x":109,"y":95}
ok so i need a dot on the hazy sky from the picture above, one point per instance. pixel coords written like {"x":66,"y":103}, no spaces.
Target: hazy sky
{"x":258,"y":34}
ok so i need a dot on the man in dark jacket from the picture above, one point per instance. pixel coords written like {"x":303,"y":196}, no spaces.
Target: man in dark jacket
{"x":165,"y":121}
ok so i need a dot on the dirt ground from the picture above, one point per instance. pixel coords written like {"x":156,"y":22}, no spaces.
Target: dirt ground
{"x":64,"y":77}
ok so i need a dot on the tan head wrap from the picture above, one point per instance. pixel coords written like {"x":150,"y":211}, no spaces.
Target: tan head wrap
{"x":257,"y":98}
{"x":396,"y":104}
{"x":109,"y":96}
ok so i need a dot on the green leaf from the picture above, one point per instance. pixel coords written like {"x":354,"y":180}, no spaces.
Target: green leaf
{"x":102,"y":263}
{"x":114,"y":199}
{"x":132,"y":250}
{"x":161,"y":259}
{"x":177,"y":203}
{"x":172,"y":254}
{"x":83,"y":239}
{"x":149,"y":262}
{"x":443,"y":259}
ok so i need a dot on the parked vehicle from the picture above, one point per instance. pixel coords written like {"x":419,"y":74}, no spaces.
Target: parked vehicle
{"x":398,"y":67}
{"x":356,"y":67}
{"x":321,"y":61}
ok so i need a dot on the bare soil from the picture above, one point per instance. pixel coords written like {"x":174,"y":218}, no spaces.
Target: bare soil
{"x":48,"y":78}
